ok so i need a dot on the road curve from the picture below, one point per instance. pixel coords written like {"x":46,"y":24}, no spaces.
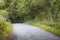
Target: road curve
{"x":29,"y":32}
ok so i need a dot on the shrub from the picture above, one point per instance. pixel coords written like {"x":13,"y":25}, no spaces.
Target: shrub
{"x":4,"y":13}
{"x":5,"y":27}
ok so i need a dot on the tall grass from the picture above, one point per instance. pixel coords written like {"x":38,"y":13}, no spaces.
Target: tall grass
{"x":5,"y":27}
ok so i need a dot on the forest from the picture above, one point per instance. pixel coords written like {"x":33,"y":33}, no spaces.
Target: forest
{"x":42,"y":13}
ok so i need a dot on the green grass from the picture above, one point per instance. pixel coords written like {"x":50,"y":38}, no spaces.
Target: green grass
{"x":48,"y":28}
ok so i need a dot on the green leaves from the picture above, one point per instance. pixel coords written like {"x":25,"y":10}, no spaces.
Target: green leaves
{"x":23,"y":10}
{"x":5,"y":27}
{"x":4,"y":13}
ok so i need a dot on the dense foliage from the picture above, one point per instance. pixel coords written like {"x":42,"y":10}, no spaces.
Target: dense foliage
{"x":5,"y":27}
{"x":2,"y":4}
{"x":46,"y":12}
{"x":4,"y":13}
{"x":23,"y":10}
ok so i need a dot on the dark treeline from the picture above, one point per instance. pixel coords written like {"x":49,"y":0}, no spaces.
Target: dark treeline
{"x":24,"y":10}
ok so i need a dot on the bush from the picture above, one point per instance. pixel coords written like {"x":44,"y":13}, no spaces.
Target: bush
{"x":4,"y":13}
{"x":2,"y":4}
{"x":5,"y":27}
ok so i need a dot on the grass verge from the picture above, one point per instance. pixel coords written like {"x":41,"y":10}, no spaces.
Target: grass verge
{"x":48,"y":28}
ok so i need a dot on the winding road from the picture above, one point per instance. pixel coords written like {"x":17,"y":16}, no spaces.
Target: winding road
{"x":29,"y":32}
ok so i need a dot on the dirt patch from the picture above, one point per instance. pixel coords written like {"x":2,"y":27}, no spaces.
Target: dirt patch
{"x":11,"y":36}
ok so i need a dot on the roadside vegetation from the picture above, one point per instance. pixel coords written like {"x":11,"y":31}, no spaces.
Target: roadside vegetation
{"x":54,"y":28}
{"x":5,"y":28}
{"x":44,"y":14}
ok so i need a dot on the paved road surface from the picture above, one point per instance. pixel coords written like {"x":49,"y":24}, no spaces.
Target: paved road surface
{"x":29,"y":32}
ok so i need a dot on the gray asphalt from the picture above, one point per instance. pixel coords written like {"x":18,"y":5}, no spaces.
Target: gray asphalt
{"x":29,"y":32}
